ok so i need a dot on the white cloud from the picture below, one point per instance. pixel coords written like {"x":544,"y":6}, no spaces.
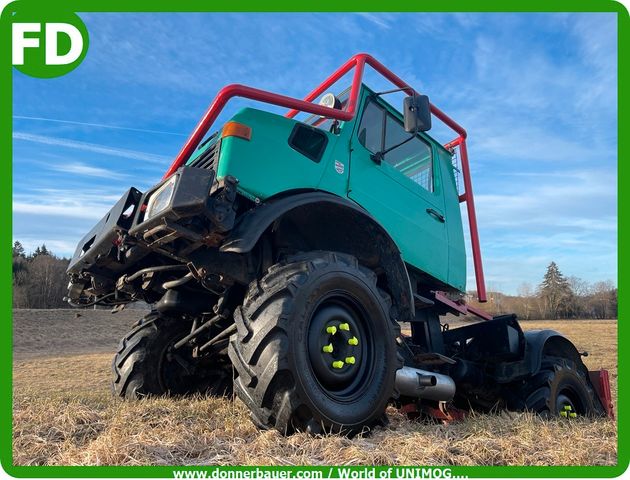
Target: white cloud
{"x":468,"y":20}
{"x":60,"y":210}
{"x":532,"y":143}
{"x":96,"y":125}
{"x":528,"y":102}
{"x":64,"y":203}
{"x":87,"y":170}
{"x":91,"y":147}
{"x":538,"y":202}
{"x":379,"y":19}
{"x":599,"y":52}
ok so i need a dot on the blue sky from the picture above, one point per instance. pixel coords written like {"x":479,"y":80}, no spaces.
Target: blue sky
{"x":536,"y":92}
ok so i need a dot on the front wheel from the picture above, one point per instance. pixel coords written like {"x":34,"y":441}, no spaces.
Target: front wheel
{"x":315,"y":348}
{"x":146,"y":363}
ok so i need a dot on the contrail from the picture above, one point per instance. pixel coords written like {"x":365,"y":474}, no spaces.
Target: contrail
{"x":91,"y":147}
{"x":98,"y":125}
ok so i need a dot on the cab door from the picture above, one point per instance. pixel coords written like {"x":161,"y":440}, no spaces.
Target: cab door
{"x":402,"y":190}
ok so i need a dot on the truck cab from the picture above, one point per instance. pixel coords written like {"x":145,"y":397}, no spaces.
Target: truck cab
{"x":411,"y":190}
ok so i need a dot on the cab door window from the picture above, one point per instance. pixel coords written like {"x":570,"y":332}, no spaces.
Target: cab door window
{"x":371,"y":127}
{"x":413,"y":159}
{"x":380,"y":130}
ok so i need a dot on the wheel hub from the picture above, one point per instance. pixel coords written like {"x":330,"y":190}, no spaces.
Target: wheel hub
{"x":565,"y":407}
{"x":336,"y":346}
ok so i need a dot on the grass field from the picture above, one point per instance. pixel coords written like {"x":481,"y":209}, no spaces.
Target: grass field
{"x":64,"y":414}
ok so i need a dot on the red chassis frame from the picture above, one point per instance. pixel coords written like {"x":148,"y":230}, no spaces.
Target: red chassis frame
{"x":357,"y":62}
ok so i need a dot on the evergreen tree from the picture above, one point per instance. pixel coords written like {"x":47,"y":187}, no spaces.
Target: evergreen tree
{"x":18,"y":250}
{"x":19,"y":262}
{"x":41,"y":251}
{"x":555,"y":292}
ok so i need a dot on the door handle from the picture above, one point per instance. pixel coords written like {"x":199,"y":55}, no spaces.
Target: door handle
{"x":435,"y":214}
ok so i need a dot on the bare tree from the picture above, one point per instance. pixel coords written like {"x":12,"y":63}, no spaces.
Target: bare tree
{"x":604,"y":297}
{"x":526,"y":300}
{"x":39,"y":279}
{"x":580,"y":289}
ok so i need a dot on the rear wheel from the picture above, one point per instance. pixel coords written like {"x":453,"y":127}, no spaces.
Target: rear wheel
{"x":315,"y":349}
{"x":561,"y":388}
{"x":146,"y":363}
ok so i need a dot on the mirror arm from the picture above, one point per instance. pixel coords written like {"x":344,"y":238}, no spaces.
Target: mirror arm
{"x":379,"y":156}
{"x":406,"y":89}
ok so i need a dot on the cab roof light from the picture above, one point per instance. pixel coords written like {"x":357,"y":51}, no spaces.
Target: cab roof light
{"x":235,"y":129}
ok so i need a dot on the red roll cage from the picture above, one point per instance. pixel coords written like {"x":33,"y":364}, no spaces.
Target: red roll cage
{"x":357,"y":62}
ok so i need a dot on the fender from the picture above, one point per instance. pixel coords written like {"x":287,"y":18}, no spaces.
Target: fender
{"x":329,"y":222}
{"x":540,"y":342}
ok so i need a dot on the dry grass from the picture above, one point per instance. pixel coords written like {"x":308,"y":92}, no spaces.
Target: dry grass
{"x":64,"y":415}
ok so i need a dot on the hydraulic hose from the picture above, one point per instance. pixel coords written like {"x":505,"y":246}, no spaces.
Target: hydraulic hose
{"x":180,"y":281}
{"x":162,"y":268}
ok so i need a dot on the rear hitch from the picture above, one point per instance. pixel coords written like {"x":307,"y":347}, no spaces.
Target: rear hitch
{"x":440,"y":412}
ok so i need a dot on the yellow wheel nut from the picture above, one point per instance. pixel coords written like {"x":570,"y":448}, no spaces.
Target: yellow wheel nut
{"x":338,"y":364}
{"x":572,"y":415}
{"x":567,"y":407}
{"x":563,"y":414}
{"x":353,"y":341}
{"x":332,"y":329}
{"x":344,"y":326}
{"x":327,"y":348}
{"x":350,"y":360}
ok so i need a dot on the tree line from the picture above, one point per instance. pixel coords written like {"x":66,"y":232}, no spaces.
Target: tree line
{"x":40,"y":281}
{"x":39,"y":278}
{"x":556,"y":297}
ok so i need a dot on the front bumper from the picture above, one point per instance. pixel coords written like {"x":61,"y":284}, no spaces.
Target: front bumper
{"x":199,"y":210}
{"x":94,"y":250}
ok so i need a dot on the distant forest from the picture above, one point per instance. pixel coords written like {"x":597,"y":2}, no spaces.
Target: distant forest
{"x":39,"y":278}
{"x":556,"y":297}
{"x":40,"y":281}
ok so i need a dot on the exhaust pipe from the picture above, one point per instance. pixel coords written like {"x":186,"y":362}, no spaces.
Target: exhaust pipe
{"x":413,"y":382}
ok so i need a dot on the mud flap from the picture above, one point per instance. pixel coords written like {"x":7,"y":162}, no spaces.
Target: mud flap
{"x":601,"y":383}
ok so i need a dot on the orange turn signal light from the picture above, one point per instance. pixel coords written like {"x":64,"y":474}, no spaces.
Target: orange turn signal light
{"x":235,"y":129}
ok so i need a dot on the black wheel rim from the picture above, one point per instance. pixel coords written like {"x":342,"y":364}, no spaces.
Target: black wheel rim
{"x":341,"y":347}
{"x":569,"y":404}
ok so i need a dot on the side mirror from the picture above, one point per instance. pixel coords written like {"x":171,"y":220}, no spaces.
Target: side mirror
{"x":417,"y":113}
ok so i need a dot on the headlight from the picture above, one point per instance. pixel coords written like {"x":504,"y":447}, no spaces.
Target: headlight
{"x":161,"y":198}
{"x":185,"y":194}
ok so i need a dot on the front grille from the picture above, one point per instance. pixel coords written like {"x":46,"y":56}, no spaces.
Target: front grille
{"x":209,"y":158}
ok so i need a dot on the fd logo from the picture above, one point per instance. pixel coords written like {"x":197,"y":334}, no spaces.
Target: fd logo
{"x":47,"y":47}
{"x":339,"y":167}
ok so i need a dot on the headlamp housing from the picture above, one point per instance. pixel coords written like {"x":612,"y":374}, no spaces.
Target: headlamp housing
{"x":161,"y":198}
{"x":184,"y":194}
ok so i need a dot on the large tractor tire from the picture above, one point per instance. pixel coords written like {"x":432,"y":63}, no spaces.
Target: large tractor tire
{"x":315,"y":348}
{"x":145,"y":363}
{"x":560,"y":388}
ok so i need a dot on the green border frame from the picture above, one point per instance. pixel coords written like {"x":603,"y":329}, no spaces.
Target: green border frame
{"x":85,"y":6}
